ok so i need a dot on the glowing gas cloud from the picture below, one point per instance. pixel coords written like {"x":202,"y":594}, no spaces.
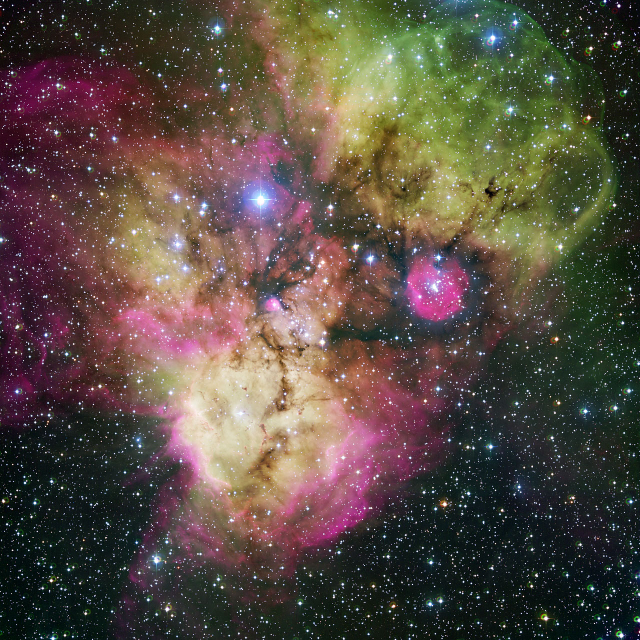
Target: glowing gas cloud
{"x":304,"y":297}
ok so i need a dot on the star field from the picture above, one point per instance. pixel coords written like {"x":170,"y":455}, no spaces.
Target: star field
{"x":319,"y":320}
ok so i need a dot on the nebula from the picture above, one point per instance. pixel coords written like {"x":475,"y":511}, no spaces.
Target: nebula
{"x":304,"y":302}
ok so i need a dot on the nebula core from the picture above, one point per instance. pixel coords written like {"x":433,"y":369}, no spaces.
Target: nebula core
{"x":301,"y":289}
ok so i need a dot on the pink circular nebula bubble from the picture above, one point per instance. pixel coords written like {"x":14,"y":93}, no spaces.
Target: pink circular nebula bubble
{"x":437,"y":292}
{"x":272,"y":305}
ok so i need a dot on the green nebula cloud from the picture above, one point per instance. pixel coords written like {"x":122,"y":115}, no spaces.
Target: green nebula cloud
{"x":471,"y":125}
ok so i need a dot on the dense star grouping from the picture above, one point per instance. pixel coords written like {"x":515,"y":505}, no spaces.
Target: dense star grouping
{"x":313,"y":254}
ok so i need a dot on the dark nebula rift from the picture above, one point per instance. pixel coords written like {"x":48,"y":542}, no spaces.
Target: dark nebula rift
{"x":289,"y":248}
